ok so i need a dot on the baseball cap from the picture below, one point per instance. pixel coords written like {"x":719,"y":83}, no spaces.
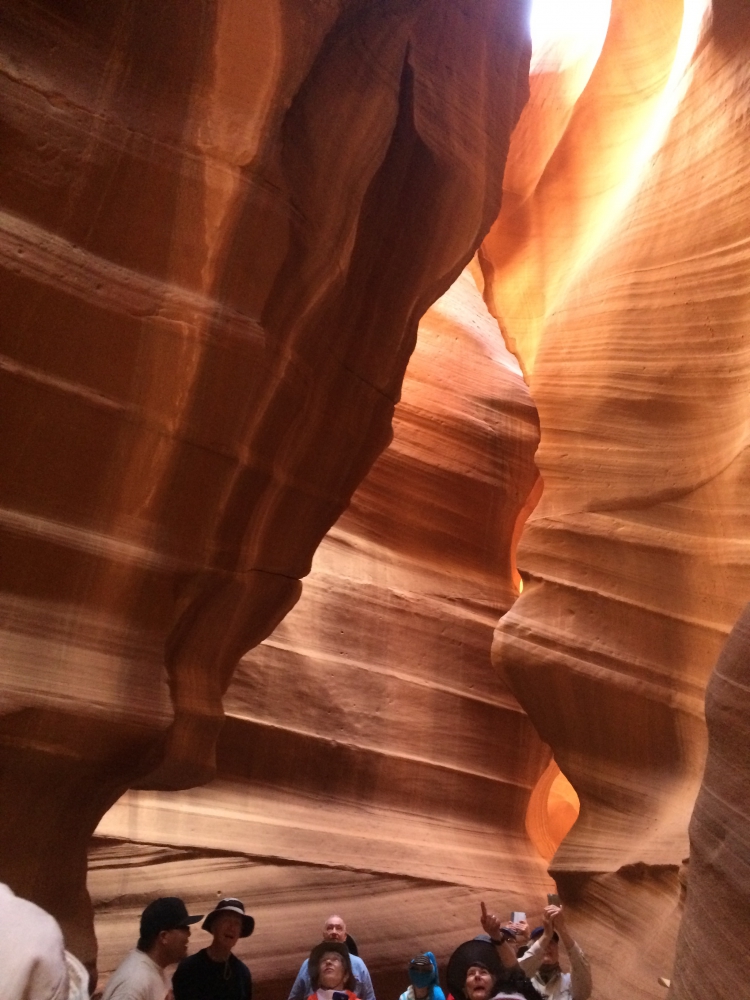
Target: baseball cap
{"x":164,"y":914}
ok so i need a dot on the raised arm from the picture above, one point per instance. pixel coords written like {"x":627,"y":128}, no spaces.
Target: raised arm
{"x":531,"y":961}
{"x":492,"y":925}
{"x":580,"y":971}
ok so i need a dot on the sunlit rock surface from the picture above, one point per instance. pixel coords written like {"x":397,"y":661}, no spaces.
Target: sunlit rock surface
{"x":633,"y":245}
{"x":219,"y":227}
{"x":369,"y":734}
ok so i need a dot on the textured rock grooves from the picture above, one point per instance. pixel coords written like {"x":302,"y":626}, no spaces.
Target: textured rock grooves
{"x":220,"y":226}
{"x":719,"y":840}
{"x":636,"y":559}
{"x":367,"y":741}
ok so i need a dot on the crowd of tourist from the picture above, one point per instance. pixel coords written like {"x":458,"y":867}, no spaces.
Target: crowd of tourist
{"x":508,"y":960}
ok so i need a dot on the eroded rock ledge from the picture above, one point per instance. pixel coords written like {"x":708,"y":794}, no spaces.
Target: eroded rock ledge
{"x":220,"y":225}
{"x":632,"y":239}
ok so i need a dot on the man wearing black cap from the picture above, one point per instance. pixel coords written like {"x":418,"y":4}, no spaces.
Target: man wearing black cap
{"x":165,"y":929}
{"x":214,"y":973}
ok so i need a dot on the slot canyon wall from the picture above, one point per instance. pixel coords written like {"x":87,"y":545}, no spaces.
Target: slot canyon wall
{"x":371,"y":762}
{"x":619,"y":270}
{"x":221,"y":224}
{"x":212,"y":280}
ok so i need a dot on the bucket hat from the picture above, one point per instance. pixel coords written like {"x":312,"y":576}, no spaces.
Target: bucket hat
{"x":230,"y":905}
{"x":467,"y":954}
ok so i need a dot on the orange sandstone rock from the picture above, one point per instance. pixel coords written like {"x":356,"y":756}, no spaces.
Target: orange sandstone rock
{"x":635,"y":561}
{"x":219,"y":227}
{"x":369,"y":733}
{"x":719,"y":876}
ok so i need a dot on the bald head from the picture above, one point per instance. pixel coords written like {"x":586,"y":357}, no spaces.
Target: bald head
{"x":334,"y":929}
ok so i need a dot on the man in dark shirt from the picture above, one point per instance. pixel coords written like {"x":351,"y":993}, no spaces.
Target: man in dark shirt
{"x":214,"y":973}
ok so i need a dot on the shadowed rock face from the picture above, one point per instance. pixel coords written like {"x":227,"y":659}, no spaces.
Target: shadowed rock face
{"x":719,"y":883}
{"x":369,"y":749}
{"x":220,"y":226}
{"x":636,"y":559}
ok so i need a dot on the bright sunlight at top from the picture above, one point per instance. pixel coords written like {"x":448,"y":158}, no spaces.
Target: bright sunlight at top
{"x":566,"y":31}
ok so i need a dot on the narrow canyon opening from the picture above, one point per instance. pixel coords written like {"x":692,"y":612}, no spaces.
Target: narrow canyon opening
{"x":373,"y":502}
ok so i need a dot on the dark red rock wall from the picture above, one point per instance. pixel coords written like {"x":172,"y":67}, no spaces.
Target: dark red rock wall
{"x":719,"y":877}
{"x":220,"y":225}
{"x":369,"y":747}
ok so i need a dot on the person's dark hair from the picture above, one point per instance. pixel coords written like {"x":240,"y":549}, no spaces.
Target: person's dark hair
{"x":163,"y":914}
{"x":313,"y":963}
{"x":537,"y":933}
{"x":147,"y":941}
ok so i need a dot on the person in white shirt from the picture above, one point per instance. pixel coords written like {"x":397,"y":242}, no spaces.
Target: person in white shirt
{"x":33,"y":961}
{"x":541,"y":961}
{"x":165,"y":931}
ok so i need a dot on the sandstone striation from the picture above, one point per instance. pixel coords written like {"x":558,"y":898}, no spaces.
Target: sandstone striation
{"x":220,"y":225}
{"x":719,"y":884}
{"x":636,"y":559}
{"x":368,"y":745}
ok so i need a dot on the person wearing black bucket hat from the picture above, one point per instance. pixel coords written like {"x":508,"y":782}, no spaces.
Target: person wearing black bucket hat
{"x":165,"y":931}
{"x":330,"y":968}
{"x":214,"y":973}
{"x":475,"y":972}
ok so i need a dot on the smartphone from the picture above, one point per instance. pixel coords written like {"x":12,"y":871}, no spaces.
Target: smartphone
{"x":553,"y":899}
{"x":517,"y":917}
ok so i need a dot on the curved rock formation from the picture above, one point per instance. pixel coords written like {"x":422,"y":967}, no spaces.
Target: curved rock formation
{"x":635,"y":561}
{"x":220,"y":226}
{"x":367,"y":740}
{"x":719,"y":883}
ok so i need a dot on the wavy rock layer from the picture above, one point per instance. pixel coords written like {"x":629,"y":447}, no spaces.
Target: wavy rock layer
{"x":719,"y":887}
{"x":220,"y":225}
{"x":367,"y":740}
{"x":636,"y":560}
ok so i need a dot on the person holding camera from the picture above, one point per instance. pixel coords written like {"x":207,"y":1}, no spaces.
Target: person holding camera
{"x":541,"y":961}
{"x":508,"y":939}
